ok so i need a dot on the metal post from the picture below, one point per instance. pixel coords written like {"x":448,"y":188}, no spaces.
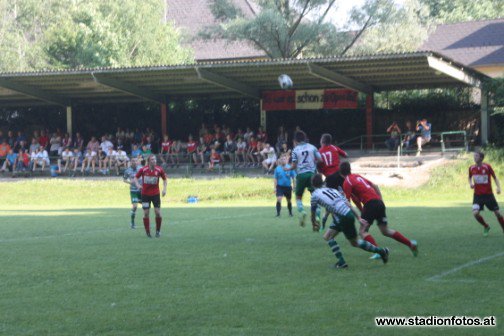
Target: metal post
{"x":484,"y":117}
{"x":263,"y":116}
{"x":369,"y":120}
{"x":69,"y":116}
{"x":164,"y":112}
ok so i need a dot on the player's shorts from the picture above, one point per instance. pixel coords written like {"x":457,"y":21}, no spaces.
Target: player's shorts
{"x":374,"y":210}
{"x":335,"y":181}
{"x":303,"y":181}
{"x":480,"y":201}
{"x":146,"y":201}
{"x":284,"y":191}
{"x":345,"y":224}
{"x":136,"y":196}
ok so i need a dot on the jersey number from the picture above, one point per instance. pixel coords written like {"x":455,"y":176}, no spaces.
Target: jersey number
{"x":327,"y":158}
{"x":330,"y":194}
{"x":305,"y":156}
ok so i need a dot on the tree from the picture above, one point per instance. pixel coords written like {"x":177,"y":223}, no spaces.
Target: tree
{"x":449,"y":11}
{"x":290,"y":28}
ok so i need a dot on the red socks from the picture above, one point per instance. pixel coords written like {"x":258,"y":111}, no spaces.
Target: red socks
{"x":370,"y":240}
{"x":401,"y":239}
{"x":146,"y":225}
{"x":482,"y":221}
{"x":158,"y":223}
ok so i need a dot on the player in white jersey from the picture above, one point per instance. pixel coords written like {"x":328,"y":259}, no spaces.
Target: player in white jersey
{"x":343,"y":221}
{"x":304,"y":160}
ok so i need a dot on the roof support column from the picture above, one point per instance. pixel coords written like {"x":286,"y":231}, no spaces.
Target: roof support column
{"x":369,"y":120}
{"x":263,"y":116}
{"x":484,"y":117}
{"x":164,"y":117}
{"x":69,"y":120}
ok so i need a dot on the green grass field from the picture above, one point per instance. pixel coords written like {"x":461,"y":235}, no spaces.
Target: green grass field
{"x":225,"y":266}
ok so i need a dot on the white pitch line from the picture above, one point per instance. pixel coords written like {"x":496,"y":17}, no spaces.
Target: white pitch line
{"x":117,"y":229}
{"x":461,"y":267}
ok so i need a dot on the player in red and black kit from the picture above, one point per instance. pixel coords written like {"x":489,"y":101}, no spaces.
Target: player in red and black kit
{"x":329,"y":166}
{"x":369,"y":194}
{"x":150,"y":175}
{"x":480,"y":179}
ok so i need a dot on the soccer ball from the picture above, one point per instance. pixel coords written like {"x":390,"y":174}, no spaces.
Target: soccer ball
{"x":285,"y":82}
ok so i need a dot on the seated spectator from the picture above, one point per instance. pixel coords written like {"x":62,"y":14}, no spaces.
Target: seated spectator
{"x":43,"y":139}
{"x":201,"y":151}
{"x":90,"y":158}
{"x":271,"y":158}
{"x":282,"y":137}
{"x":395,"y":136}
{"x":20,"y":146}
{"x":229,"y":149}
{"x":192,"y":146}
{"x":409,"y":136}
{"x":239,"y":134}
{"x":79,"y":142}
{"x":285,"y":150}
{"x":248,"y":134}
{"x":214,"y":161}
{"x":102,"y":161}
{"x":55,"y":144}
{"x":20,"y":138}
{"x":106,"y":144}
{"x":252,"y":151}
{"x":424,"y":128}
{"x":41,"y":158}
{"x":122,"y":160}
{"x":93,"y":145}
{"x":34,"y":146}
{"x":136,"y":152}
{"x":241,"y":152}
{"x":23,"y":162}
{"x":145,"y":152}
{"x":76,"y":159}
{"x":261,"y":135}
{"x":175,"y":153}
{"x":65,"y":159}
{"x":66,"y":142}
{"x":10,"y":161}
{"x":165,"y":149}
{"x":111,"y":161}
{"x":4,"y":149}
{"x":11,"y":140}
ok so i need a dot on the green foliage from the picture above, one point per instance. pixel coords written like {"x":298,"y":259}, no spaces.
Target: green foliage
{"x":449,"y":11}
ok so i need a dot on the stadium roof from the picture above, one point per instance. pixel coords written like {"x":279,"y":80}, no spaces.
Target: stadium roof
{"x":233,"y":79}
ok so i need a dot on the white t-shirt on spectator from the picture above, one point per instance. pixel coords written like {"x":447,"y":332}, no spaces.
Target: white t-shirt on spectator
{"x":270,"y":152}
{"x":122,"y":156}
{"x":241,"y":146}
{"x":66,"y":155}
{"x":106,"y":145}
{"x":90,"y":155}
{"x":55,"y":144}
{"x":42,"y":156}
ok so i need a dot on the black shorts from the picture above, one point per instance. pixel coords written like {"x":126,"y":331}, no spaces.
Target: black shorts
{"x":374,"y":210}
{"x":146,"y":201}
{"x":485,"y":200}
{"x":335,"y":181}
{"x":284,"y":191}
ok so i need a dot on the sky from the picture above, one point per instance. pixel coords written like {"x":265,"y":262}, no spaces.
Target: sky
{"x":340,"y":15}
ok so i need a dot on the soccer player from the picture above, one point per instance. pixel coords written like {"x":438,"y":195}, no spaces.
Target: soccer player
{"x":344,"y":221}
{"x":135,"y":192}
{"x":282,"y":181}
{"x":329,"y":166}
{"x":368,"y":193}
{"x":304,"y":161}
{"x":480,"y":179}
{"x":150,"y":175}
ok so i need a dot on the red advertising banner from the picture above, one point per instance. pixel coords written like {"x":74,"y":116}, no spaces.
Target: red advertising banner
{"x":309,"y":99}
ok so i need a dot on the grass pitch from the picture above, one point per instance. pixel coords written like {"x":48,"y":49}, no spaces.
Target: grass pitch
{"x":71,"y":266}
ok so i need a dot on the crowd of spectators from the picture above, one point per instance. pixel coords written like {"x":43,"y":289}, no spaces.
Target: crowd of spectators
{"x":211,"y":148}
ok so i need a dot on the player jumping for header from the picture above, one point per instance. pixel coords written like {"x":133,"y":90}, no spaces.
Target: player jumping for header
{"x":343,"y":221}
{"x":369,"y":194}
{"x":480,"y":179}
{"x":150,"y":175}
{"x":304,"y":160}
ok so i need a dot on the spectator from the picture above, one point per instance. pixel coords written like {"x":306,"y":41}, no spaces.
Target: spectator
{"x":261,"y":135}
{"x":79,"y":142}
{"x":20,"y":137}
{"x":90,"y":158}
{"x":241,"y":151}
{"x":65,"y":159}
{"x":145,"y":152}
{"x":200,"y":152}
{"x":122,"y":160}
{"x":23,"y":162}
{"x":34,"y":145}
{"x":282,"y":137}
{"x":202,"y":131}
{"x":285,"y":150}
{"x":40,"y":158}
{"x":424,"y":128}
{"x":102,"y":161}
{"x":10,"y":161}
{"x":239,"y":134}
{"x":248,"y":134}
{"x":269,"y":162}
{"x":66,"y":142}
{"x":136,"y":152}
{"x":214,"y":161}
{"x":111,"y":160}
{"x":76,"y":159}
{"x":55,"y":143}
{"x":106,"y":144}
{"x":229,"y":149}
{"x":20,"y":146}
{"x":11,"y":140}
{"x":93,"y":145}
{"x":252,"y":151}
{"x":175,"y":153}
{"x":409,"y":136}
{"x":4,"y":149}
{"x":395,"y":136}
{"x":165,"y":149}
{"x":191,"y":150}
{"x":43,"y":139}
{"x":1,"y":136}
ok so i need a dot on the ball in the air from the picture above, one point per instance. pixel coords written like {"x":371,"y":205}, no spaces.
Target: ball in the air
{"x":285,"y":82}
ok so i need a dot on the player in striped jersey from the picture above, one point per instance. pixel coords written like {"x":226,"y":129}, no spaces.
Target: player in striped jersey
{"x":343,"y":221}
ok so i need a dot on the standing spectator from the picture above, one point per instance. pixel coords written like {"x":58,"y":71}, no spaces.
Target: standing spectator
{"x":409,"y":136}
{"x":425,"y":134}
{"x":241,"y":151}
{"x":10,"y":161}
{"x":229,"y":149}
{"x":271,"y":158}
{"x":40,"y":158}
{"x":34,"y":145}
{"x":200,"y":152}
{"x":239,"y":134}
{"x":395,"y":136}
{"x":191,"y":150}
{"x":55,"y":143}
{"x":66,"y":159}
{"x":43,"y":139}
